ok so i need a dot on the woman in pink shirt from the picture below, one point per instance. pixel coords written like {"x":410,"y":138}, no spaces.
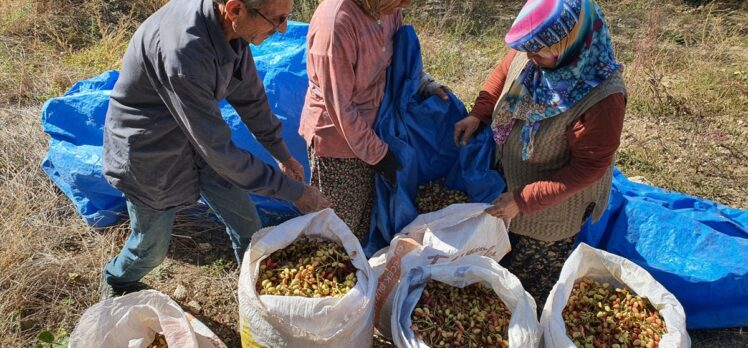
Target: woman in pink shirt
{"x":350,"y":46}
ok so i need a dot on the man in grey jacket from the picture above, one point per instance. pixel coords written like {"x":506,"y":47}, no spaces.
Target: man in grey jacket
{"x":165,"y":142}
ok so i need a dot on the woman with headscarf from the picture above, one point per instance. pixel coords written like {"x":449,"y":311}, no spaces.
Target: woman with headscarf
{"x":350,"y":45}
{"x":556,"y":105}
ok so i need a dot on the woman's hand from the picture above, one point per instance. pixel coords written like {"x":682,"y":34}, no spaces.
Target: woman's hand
{"x":442,"y":92}
{"x":388,"y":167}
{"x":434,"y":88}
{"x":504,"y":208}
{"x":429,"y":87}
{"x":465,"y":129}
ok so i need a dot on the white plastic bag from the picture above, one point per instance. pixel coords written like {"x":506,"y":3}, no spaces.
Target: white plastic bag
{"x":459,"y":230}
{"x":293,"y":321}
{"x":133,"y":320}
{"x":446,"y":235}
{"x":603,"y":266}
{"x":524,"y":330}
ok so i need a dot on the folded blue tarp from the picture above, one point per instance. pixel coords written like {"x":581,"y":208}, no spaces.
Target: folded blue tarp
{"x":696,"y":248}
{"x":419,"y":131}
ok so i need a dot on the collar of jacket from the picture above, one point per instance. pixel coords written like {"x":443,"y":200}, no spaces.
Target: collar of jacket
{"x":225,"y":52}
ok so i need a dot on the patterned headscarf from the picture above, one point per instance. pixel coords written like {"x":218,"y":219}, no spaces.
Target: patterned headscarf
{"x":576,"y":33}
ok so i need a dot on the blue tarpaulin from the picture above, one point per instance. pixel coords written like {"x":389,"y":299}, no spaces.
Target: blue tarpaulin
{"x":696,"y":248}
{"x":419,"y":131}
{"x":75,"y":124}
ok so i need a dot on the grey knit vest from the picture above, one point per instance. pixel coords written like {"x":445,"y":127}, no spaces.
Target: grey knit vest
{"x":550,"y":154}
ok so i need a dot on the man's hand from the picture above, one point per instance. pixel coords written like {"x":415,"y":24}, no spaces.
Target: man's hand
{"x":465,"y":129}
{"x":504,"y":208}
{"x":292,"y":168}
{"x":311,"y":200}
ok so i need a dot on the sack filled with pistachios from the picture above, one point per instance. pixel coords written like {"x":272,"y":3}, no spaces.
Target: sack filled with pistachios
{"x":306,"y":283}
{"x":146,"y":318}
{"x":446,"y":235}
{"x":604,"y":300}
{"x":472,"y":302}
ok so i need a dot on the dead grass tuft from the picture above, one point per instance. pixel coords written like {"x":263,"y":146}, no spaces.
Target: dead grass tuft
{"x":46,"y":254}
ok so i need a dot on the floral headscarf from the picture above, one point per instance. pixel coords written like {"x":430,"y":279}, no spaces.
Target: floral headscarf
{"x":576,"y":33}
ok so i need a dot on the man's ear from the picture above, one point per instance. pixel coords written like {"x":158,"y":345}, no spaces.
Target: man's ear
{"x":234,"y":9}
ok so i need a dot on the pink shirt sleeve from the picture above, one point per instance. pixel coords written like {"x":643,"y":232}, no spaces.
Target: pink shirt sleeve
{"x":336,"y":78}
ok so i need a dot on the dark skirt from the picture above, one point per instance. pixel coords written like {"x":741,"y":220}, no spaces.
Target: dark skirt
{"x":537,"y":263}
{"x":348,"y":183}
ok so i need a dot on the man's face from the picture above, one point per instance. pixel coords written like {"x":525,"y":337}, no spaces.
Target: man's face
{"x":256,"y":25}
{"x":398,"y":4}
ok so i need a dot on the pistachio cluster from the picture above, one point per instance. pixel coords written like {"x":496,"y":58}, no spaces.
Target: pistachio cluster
{"x":159,"y":342}
{"x":473,"y":316}
{"x":307,"y":268}
{"x":435,"y":196}
{"x":598,"y":315}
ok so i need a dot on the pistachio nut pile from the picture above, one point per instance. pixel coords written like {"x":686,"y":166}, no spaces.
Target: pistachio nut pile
{"x":473,"y":316}
{"x":599,"y":315}
{"x":435,"y":196}
{"x":308,"y":268}
{"x":159,"y":342}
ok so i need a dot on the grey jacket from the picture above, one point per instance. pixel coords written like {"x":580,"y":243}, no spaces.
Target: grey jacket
{"x":163,"y":121}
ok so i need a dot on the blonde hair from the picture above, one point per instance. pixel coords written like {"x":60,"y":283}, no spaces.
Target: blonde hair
{"x":374,"y":7}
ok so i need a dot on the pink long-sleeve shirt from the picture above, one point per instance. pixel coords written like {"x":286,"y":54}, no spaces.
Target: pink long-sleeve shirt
{"x":347,"y":59}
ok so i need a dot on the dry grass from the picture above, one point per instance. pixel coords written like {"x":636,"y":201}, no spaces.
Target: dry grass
{"x":686,"y":68}
{"x":50,"y":261}
{"x":689,"y":103}
{"x":47,"y":254}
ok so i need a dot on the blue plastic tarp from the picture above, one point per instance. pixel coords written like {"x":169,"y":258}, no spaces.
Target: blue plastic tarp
{"x":419,"y":131}
{"x":75,"y":124}
{"x":696,"y":248}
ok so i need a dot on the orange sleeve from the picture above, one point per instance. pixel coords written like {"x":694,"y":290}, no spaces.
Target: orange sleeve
{"x":593,"y":141}
{"x":492,"y":87}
